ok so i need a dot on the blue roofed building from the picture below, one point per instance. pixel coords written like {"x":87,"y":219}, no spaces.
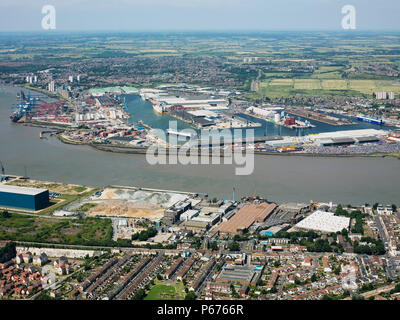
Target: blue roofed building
{"x":23,"y":198}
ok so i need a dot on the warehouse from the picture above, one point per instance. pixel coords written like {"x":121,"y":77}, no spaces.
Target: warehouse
{"x":335,"y":141}
{"x":245,"y":217}
{"x":324,"y":222}
{"x":347,"y":137}
{"x":244,"y":275}
{"x":23,"y":198}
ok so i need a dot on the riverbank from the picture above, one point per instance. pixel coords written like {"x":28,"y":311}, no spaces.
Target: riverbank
{"x":143,"y":150}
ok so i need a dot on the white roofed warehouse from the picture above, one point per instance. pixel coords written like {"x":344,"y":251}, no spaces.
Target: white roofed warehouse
{"x":325,"y":222}
{"x":23,"y":198}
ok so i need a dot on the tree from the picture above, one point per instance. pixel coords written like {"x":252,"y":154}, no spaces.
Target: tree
{"x":337,"y":270}
{"x":7,"y":252}
{"x":274,"y":289}
{"x":314,"y":277}
{"x":234,"y":246}
{"x":340,"y":211}
{"x":214,"y":246}
{"x":5,"y":214}
{"x":394,"y":207}
{"x":190,"y":296}
{"x":44,"y":296}
{"x":139,"y":295}
{"x":277,"y":264}
{"x":233,"y":291}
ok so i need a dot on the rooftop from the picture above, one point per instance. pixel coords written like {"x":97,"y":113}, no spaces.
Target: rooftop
{"x":246,"y":216}
{"x":241,"y":274}
{"x":21,"y":190}
{"x":324,"y":222}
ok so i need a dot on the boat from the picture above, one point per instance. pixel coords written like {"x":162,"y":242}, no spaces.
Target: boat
{"x":302,"y":124}
{"x":23,"y":108}
{"x":16,"y":116}
{"x":180,"y":134}
{"x":290,"y":122}
{"x":159,"y":108}
{"x":363,"y":118}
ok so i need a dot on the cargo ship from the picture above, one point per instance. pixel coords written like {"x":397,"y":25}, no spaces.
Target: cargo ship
{"x":363,"y":118}
{"x":16,"y":116}
{"x":23,"y":108}
{"x":289,"y":122}
{"x":180,"y":134}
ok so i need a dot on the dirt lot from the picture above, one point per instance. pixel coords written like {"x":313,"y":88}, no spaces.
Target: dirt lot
{"x":127,"y":209}
{"x":134,"y":203}
{"x":160,"y":199}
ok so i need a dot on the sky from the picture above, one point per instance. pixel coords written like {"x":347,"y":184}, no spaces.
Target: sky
{"x":189,"y":15}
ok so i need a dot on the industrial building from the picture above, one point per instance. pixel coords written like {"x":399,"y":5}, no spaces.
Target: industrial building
{"x":244,"y":275}
{"x":245,"y":217}
{"x":23,"y":198}
{"x":325,"y":222}
{"x":347,"y":137}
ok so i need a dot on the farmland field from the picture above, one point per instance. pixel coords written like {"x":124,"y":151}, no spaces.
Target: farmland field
{"x":286,"y":87}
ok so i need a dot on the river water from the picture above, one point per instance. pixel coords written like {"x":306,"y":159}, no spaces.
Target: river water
{"x":279,"y":178}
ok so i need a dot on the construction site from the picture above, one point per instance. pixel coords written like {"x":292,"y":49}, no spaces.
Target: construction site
{"x":133,"y":203}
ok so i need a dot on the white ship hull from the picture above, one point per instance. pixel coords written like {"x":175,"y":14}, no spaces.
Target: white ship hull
{"x":158,"y":108}
{"x":180,"y":134}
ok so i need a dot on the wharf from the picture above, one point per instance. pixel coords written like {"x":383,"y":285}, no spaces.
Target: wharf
{"x":316,"y":116}
{"x":220,"y":142}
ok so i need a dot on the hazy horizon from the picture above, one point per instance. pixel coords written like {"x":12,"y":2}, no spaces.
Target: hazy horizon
{"x":199,"y":15}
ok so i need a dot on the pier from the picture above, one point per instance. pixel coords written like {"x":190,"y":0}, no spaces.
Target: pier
{"x":316,"y":116}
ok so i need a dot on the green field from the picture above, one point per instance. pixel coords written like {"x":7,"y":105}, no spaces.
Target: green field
{"x":161,"y":291}
{"x":87,"y":231}
{"x":286,"y":87}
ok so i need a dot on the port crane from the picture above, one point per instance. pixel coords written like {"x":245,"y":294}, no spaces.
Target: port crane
{"x":24,"y":106}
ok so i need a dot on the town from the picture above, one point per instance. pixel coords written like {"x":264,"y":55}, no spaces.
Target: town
{"x":118,"y":243}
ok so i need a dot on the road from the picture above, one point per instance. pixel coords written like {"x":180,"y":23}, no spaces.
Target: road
{"x":375,"y":292}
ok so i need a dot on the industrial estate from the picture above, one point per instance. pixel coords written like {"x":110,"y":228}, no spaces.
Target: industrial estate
{"x":100,"y":118}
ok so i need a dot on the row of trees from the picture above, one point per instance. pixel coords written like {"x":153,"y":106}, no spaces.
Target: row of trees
{"x":373,"y":247}
{"x":145,"y":234}
{"x":355,"y":214}
{"x":7,"y":252}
